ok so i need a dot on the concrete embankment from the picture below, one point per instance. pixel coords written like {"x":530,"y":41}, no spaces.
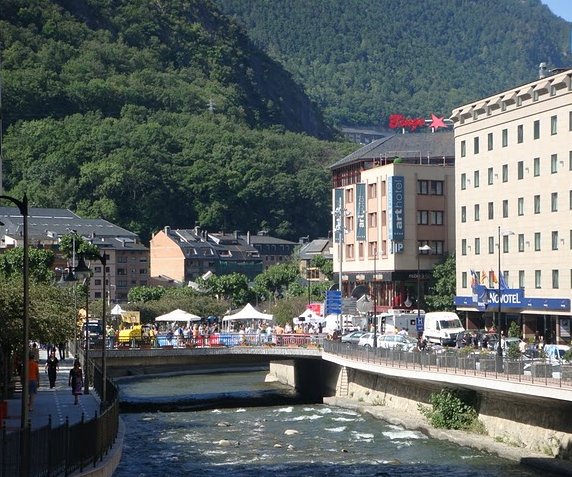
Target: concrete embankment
{"x":462,"y":438}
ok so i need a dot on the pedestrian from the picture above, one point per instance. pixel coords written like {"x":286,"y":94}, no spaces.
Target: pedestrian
{"x":52,"y":367}
{"x":76,"y":380}
{"x":62,"y":350}
{"x":33,"y":380}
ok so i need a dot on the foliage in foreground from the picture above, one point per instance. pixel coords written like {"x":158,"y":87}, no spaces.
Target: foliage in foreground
{"x":448,"y":411}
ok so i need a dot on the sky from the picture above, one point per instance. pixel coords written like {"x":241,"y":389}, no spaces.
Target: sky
{"x":562,"y":8}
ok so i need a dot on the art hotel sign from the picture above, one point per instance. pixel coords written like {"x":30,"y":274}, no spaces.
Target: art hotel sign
{"x":396,"y":211}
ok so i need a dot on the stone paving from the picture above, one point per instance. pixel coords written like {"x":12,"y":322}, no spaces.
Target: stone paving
{"x":57,"y":403}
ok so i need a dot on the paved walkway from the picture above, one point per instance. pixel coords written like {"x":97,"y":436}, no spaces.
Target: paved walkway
{"x":57,"y":402}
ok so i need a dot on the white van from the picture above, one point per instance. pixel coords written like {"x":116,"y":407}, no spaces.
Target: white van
{"x":442,"y":327}
{"x":397,"y":320}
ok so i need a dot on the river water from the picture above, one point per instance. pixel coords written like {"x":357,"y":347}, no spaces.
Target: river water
{"x":280,"y":438}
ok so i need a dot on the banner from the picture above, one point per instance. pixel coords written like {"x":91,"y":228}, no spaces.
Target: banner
{"x":338,"y":215}
{"x":396,"y":208}
{"x":360,"y":212}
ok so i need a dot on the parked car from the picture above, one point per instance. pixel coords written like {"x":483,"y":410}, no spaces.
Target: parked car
{"x":401,"y":342}
{"x":352,"y":337}
{"x":389,"y":341}
{"x":554,"y":353}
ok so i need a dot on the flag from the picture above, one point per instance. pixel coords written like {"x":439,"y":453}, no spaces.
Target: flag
{"x":494,"y":277}
{"x":503,"y":284}
{"x":483,"y":277}
{"x":474,"y":280}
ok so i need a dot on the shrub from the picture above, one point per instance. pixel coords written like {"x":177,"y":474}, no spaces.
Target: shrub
{"x":448,"y":411}
{"x":567,"y":357}
{"x":513,"y":351}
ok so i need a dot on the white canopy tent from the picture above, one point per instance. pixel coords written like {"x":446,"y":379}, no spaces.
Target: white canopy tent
{"x":116,"y":310}
{"x":309,"y":317}
{"x":247,"y":313}
{"x":177,"y":316}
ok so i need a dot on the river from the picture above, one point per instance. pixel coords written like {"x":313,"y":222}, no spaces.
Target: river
{"x":282,"y":437}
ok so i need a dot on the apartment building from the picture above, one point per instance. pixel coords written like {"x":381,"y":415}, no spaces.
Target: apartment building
{"x":390,"y":198}
{"x":127,"y":259}
{"x":514,"y":208}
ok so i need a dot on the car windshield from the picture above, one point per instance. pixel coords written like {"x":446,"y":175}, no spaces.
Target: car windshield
{"x":456,"y":323}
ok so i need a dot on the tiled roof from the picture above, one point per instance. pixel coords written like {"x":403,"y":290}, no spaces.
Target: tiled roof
{"x":409,"y":145}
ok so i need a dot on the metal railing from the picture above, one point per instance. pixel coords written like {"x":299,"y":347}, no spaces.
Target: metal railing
{"x":63,"y":450}
{"x":480,"y":364}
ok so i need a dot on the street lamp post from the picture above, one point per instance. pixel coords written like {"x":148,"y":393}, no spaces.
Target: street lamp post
{"x":82,"y":272}
{"x":422,"y":249}
{"x":499,"y":295}
{"x":23,"y":207}
{"x":374,"y":296}
{"x":340,"y":213}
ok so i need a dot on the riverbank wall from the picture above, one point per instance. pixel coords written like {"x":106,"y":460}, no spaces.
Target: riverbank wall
{"x":537,"y":427}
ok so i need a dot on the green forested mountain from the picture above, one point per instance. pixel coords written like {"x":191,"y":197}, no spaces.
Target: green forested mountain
{"x":362,"y":60}
{"x":158,"y":113}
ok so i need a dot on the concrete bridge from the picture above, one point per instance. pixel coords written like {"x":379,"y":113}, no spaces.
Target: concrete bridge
{"x":516,"y":407}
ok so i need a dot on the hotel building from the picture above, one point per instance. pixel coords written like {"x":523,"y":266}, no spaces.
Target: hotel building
{"x":513,"y":182}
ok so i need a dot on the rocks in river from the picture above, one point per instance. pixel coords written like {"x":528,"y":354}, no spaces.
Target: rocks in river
{"x":291,"y":432}
{"x":228,"y":443}
{"x":223,"y":424}
{"x":278,"y":446}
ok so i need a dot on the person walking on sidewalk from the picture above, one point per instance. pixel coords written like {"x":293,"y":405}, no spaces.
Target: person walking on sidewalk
{"x":76,"y":380}
{"x":52,"y":367}
{"x":33,"y":380}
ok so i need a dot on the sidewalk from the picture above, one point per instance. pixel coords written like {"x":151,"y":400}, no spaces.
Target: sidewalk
{"x":57,"y":402}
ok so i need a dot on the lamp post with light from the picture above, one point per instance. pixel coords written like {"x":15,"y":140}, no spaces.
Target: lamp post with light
{"x":23,"y":208}
{"x":499,"y":295}
{"x":423,"y":249}
{"x":82,"y":272}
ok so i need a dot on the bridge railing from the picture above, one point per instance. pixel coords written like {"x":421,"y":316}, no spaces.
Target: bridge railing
{"x":240,"y":339}
{"x":481,"y":364}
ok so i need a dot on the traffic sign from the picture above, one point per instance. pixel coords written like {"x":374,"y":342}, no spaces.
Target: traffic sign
{"x":333,"y":302}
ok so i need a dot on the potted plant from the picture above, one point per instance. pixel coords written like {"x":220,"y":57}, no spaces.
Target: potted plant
{"x":467,"y":359}
{"x":514,"y":365}
{"x":541,"y":368}
{"x":566,"y":366}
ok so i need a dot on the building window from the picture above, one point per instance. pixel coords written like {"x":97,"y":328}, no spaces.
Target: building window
{"x":536,"y":165}
{"x":570,"y":160}
{"x":423,"y":187}
{"x":490,"y":141}
{"x":463,"y":148}
{"x":463,"y":181}
{"x":537,"y":241}
{"x":554,"y":278}
{"x":372,"y":190}
{"x":519,"y":101}
{"x":491,"y":208}
{"x":505,"y":208}
{"x":570,"y":200}
{"x":519,"y":133}
{"x":553,"y":125}
{"x":505,"y":244}
{"x":554,"y":240}
{"x":372,"y":219}
{"x":504,"y":137}
{"x":476,"y":179}
{"x":349,"y":196}
{"x":477,"y":212}
{"x":464,"y":279}
{"x":520,"y":170}
{"x":463,"y":214}
{"x":570,"y":121}
{"x":464,"y":247}
{"x":521,"y":279}
{"x":503,"y":106}
{"x":477,"y":246}
{"x":491,"y":245}
{"x":521,"y":242}
{"x":537,"y":278}
{"x":437,"y":217}
{"x":422,"y":217}
{"x":536,"y":129}
{"x":350,"y":251}
{"x":537,"y":204}
{"x":505,"y":173}
{"x":554,"y":202}
{"x":490,"y":174}
{"x":437,"y":246}
{"x":554,"y":163}
{"x":436,"y":187}
{"x":552,"y":90}
{"x":520,"y":205}
{"x":476,"y":145}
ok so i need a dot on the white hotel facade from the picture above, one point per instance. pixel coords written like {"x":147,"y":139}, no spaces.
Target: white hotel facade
{"x":513,"y":185}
